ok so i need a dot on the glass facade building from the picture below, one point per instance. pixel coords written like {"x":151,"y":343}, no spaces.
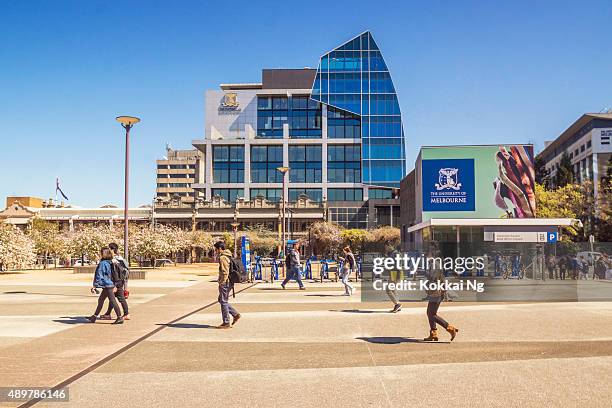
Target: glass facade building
{"x":354,"y":81}
{"x":338,"y":129}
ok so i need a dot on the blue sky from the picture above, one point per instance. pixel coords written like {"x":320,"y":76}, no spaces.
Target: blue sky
{"x":465,"y":72}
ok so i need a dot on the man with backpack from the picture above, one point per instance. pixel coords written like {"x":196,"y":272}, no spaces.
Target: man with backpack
{"x":227,"y":266}
{"x":120,"y":274}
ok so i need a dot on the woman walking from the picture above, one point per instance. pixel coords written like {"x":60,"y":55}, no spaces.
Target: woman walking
{"x":348,"y":266}
{"x":435,"y":296}
{"x":103,"y":279}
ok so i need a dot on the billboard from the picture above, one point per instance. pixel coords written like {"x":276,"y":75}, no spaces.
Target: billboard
{"x":495,"y":181}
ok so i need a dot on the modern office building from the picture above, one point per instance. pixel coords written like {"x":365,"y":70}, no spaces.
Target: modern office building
{"x":338,"y":128}
{"x":176,"y":172}
{"x":587,"y":142}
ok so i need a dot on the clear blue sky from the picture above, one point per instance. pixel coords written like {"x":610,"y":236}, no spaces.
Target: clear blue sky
{"x":466,"y":72}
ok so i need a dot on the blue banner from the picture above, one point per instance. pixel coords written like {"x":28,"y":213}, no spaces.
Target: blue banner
{"x":448,"y":185}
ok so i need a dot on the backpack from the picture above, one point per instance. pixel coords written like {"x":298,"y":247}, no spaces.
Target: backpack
{"x":237,"y":273}
{"x":288,"y":260}
{"x":120,"y":270}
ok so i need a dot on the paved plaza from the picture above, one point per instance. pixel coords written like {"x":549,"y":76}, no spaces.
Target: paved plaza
{"x":296,"y":348}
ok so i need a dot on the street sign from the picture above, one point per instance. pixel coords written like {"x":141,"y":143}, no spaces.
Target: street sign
{"x":529,"y":236}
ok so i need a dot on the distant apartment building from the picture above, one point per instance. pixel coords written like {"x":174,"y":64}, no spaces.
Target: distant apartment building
{"x":587,"y":142}
{"x":176,"y":173}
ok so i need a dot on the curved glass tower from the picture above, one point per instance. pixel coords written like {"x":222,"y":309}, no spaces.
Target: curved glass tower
{"x":354,"y":82}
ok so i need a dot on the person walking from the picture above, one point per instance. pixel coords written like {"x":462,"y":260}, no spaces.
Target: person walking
{"x":120,"y":277}
{"x":225,"y":260}
{"x":348,"y":266}
{"x":293,"y":266}
{"x":435,"y":297}
{"x":103,"y":280}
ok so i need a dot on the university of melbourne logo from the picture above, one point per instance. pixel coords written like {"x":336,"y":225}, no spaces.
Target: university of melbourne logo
{"x":448,"y":185}
{"x":230,"y":100}
{"x":448,"y":179}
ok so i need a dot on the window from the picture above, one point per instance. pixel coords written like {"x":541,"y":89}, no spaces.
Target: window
{"x":162,"y":185}
{"x":162,"y":166}
{"x":582,"y":148}
{"x":344,"y":194}
{"x":588,"y":144}
{"x":272,"y":114}
{"x":305,"y":118}
{"x":344,"y":164}
{"x":270,"y":194}
{"x":264,"y":161}
{"x":315,"y":194}
{"x":377,"y":193}
{"x":341,"y":124}
{"x":228,"y":194}
{"x":349,"y":217}
{"x":305,"y":163}
{"x":228,"y":164}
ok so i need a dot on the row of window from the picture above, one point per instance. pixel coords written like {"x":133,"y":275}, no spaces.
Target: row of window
{"x":356,"y":82}
{"x":305,"y":162}
{"x":173,"y":185}
{"x":302,"y":114}
{"x":275,"y":194}
{"x":178,"y":176}
{"x":175,"y":166}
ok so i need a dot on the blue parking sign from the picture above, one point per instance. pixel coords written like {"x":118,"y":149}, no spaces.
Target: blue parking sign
{"x":551,"y":237}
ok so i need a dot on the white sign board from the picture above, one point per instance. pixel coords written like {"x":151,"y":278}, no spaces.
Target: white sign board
{"x":507,"y":236}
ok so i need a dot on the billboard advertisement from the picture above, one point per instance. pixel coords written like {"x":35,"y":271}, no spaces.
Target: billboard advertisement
{"x":495,"y":181}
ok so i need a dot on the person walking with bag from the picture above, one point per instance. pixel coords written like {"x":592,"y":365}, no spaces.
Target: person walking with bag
{"x":120,"y":277}
{"x":348,"y":266}
{"x":225,"y":286}
{"x":103,"y":279}
{"x":292,"y":265}
{"x":435,"y":297}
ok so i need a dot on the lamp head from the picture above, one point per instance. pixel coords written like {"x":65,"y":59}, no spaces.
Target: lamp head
{"x":127,"y":120}
{"x":283,"y":169}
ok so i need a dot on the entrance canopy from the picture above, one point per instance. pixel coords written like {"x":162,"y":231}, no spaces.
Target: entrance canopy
{"x":497,"y":222}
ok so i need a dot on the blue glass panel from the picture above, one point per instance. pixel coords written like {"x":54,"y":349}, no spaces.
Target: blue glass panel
{"x":354,"y":79}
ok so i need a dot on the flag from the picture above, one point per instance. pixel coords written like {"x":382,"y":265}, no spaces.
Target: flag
{"x":57,"y":188}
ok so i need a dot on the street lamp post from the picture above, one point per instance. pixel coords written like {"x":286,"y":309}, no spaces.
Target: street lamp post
{"x":283,"y":171}
{"x":127,"y":122}
{"x":235,"y":229}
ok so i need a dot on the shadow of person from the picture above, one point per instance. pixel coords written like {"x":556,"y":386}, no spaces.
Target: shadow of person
{"x":72,"y":320}
{"x":397,"y":340}
{"x":360,"y":311}
{"x":187,"y":325}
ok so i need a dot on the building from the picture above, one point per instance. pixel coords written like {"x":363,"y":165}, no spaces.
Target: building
{"x":338,"y":128}
{"x":34,"y":202}
{"x":176,"y":173}
{"x":69,"y":218}
{"x":588,"y":143}
{"x":472,"y":195}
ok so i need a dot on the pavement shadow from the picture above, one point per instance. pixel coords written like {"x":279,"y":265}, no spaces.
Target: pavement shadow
{"x":187,"y":325}
{"x":72,"y":319}
{"x":360,"y":311}
{"x":322,"y":295}
{"x":397,"y":340}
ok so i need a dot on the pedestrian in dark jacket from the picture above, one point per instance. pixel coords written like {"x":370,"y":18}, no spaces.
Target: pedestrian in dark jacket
{"x":120,"y":282}
{"x":293,"y":267}
{"x":225,"y":257}
{"x":103,"y":280}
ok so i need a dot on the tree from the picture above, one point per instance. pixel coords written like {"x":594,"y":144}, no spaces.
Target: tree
{"x":565,"y":172}
{"x":46,"y":238}
{"x":16,"y":248}
{"x":262,"y":242}
{"x":384,"y":239}
{"x":88,"y":240}
{"x":355,"y":238}
{"x":542,"y":174}
{"x":325,"y":238}
{"x":200,"y":240}
{"x":562,"y":202}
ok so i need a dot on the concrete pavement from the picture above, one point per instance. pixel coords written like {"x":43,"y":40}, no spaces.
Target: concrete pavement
{"x":308,"y":348}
